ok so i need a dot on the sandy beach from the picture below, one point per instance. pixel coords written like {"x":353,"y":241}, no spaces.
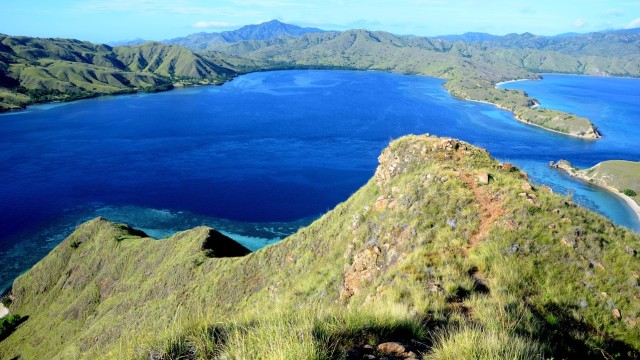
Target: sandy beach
{"x":3,"y":311}
{"x":511,"y":81}
{"x":526,"y":122}
{"x":632,"y":204}
{"x":628,"y":200}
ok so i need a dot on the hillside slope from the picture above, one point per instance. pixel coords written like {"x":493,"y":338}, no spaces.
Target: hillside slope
{"x":616,"y":175}
{"x":39,"y":70}
{"x":444,"y":253}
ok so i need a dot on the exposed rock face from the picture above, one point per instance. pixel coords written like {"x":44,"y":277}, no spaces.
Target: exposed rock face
{"x":482,"y":179}
{"x":394,"y":348}
{"x":361,"y":272}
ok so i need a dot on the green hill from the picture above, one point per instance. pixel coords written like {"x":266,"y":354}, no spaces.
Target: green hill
{"x":443,"y":254}
{"x":170,"y":61}
{"x":39,"y":70}
{"x":616,"y":175}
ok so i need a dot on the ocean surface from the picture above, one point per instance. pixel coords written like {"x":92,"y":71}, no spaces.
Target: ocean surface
{"x":267,"y":153}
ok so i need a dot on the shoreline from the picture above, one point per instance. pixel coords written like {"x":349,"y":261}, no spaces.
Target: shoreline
{"x":530,"y":123}
{"x":573,"y":173}
{"x":635,"y":208}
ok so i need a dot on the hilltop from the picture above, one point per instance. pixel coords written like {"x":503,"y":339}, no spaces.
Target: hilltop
{"x":444,"y":253}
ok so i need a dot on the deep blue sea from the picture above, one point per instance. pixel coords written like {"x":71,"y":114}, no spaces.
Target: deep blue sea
{"x":269,"y":152}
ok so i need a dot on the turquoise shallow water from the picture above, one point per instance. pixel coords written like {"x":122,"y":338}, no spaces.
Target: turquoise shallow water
{"x":257,"y":158}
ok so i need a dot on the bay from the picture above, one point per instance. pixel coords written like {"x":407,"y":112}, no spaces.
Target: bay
{"x":257,"y":158}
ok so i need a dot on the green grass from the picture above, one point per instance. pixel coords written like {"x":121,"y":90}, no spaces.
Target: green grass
{"x":41,"y":70}
{"x":385,"y":265}
{"x":473,"y":342}
{"x":619,"y":174}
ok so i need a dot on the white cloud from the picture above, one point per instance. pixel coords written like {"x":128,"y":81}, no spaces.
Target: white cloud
{"x":614,"y":12}
{"x":633,"y":24}
{"x":580,"y":23}
{"x":212,"y":24}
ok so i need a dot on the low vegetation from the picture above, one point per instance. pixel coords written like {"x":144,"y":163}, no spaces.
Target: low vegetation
{"x":444,"y":253}
{"x":34,"y":70}
{"x":629,"y":192}
{"x":616,"y":175}
{"x":8,"y":324}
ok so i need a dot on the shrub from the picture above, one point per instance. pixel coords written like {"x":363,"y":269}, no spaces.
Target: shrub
{"x":6,"y":301}
{"x":8,"y":324}
{"x":629,"y":192}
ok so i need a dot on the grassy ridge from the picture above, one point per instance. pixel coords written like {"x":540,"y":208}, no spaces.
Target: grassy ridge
{"x":444,"y":250}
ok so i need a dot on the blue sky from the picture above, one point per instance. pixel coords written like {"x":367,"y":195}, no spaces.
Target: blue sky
{"x":113,"y":20}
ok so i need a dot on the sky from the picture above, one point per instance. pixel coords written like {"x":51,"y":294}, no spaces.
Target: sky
{"x":116,"y":20}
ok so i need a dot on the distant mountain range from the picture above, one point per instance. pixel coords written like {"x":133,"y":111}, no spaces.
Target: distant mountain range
{"x":480,"y":36}
{"x":265,"y":31}
{"x":135,"y":41}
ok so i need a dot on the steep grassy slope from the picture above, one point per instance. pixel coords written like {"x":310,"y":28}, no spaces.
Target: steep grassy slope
{"x":38,"y":70}
{"x":444,"y":251}
{"x":170,"y":61}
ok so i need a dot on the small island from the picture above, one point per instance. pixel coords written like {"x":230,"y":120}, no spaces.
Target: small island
{"x":618,"y":176}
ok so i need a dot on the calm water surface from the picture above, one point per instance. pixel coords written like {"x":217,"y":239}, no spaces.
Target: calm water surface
{"x":263,"y":154}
